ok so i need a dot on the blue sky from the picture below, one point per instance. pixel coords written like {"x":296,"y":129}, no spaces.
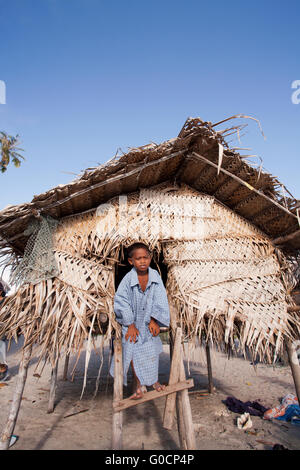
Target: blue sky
{"x":86,"y":77}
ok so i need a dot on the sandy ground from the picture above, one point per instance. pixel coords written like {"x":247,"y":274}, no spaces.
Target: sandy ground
{"x":215,"y":426}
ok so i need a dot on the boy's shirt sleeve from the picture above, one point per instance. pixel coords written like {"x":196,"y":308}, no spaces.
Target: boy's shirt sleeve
{"x":122,"y":306}
{"x":160,"y":309}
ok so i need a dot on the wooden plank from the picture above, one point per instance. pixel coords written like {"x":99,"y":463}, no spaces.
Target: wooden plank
{"x":119,"y":405}
{"x":174,"y":377}
{"x":117,"y":419}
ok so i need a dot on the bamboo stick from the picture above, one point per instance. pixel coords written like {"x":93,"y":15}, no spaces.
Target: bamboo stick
{"x":76,"y":413}
{"x":174,"y":377}
{"x":15,"y":406}
{"x":117,"y":421}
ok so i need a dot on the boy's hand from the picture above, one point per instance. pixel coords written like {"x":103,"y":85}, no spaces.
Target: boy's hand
{"x":132,"y":333}
{"x":153,"y":327}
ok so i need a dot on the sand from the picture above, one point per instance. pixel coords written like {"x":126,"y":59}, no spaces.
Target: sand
{"x":86,"y":424}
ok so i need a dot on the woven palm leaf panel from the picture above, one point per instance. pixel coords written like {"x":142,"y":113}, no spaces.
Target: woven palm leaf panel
{"x":58,"y":313}
{"x":223,"y":273}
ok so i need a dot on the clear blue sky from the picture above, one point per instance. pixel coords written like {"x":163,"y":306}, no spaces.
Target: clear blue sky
{"x":85,"y":77}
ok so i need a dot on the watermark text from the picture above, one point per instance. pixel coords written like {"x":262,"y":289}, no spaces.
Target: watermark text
{"x":2,"y":92}
{"x":296,"y":94}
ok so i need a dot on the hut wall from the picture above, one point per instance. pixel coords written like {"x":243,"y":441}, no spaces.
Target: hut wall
{"x":223,"y":273}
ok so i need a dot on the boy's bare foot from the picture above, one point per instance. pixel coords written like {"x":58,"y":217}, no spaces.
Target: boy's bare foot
{"x":138,"y":393}
{"x":158,"y":387}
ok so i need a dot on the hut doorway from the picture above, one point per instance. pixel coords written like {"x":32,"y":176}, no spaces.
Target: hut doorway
{"x":122,"y":267}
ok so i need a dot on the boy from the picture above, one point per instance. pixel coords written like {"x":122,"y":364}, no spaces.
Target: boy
{"x":141,"y":307}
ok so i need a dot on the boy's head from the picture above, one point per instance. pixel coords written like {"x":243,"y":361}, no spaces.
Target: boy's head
{"x":139,"y":256}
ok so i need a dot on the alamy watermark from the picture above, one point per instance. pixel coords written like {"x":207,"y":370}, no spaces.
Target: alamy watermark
{"x":2,"y":92}
{"x":296,"y":94}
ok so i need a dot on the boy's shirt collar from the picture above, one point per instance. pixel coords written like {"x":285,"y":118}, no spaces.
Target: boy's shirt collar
{"x":134,"y":277}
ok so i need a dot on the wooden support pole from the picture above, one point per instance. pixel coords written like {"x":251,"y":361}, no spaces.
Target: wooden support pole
{"x":187,"y":414}
{"x":53,"y":385}
{"x":117,"y":421}
{"x":66,"y":366}
{"x":295,"y":367}
{"x":209,"y":369}
{"x":183,"y":407}
{"x":16,"y":402}
{"x":174,"y":377}
{"x":179,"y":402}
{"x":180,"y":422}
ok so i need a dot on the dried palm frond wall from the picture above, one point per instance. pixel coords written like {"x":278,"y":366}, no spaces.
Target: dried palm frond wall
{"x":223,"y":274}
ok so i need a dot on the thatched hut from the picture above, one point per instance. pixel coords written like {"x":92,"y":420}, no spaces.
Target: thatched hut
{"x":223,"y":232}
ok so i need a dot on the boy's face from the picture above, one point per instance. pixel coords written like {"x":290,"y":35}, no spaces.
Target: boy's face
{"x":141,"y":260}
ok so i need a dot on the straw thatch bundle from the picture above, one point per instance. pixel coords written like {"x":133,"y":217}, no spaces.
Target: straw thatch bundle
{"x":211,"y":215}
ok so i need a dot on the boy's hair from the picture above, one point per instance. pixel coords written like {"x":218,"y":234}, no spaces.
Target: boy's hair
{"x":136,"y":246}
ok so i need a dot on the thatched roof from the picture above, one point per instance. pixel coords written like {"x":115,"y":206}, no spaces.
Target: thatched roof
{"x":198,"y":157}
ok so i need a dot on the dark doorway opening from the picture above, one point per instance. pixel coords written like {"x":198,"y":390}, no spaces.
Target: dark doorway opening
{"x":157,"y":262}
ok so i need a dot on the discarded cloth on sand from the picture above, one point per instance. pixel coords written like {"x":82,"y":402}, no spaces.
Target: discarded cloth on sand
{"x":237,"y":406}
